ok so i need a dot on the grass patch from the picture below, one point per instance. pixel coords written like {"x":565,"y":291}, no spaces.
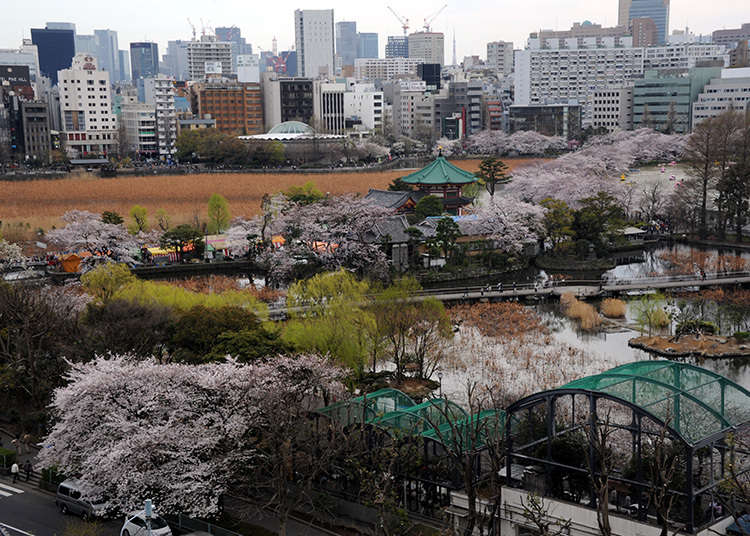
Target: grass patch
{"x":583,"y":312}
{"x":613,"y":308}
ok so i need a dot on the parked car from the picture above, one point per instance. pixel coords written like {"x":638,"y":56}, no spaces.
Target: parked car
{"x":137,"y":525}
{"x":69,"y":501}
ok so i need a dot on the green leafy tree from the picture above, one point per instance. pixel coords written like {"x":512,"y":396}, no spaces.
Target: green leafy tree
{"x":180,"y":237}
{"x":104,"y":281}
{"x":428,"y":206}
{"x":398,"y":185}
{"x":162,"y":220}
{"x":446,"y":234}
{"x":205,"y":334}
{"x":558,"y":221}
{"x":492,"y":171}
{"x":140,"y":219}
{"x":218,"y":214}
{"x":328,"y":314}
{"x":111,"y":217}
{"x":187,"y":144}
{"x":306,"y":194}
{"x":599,"y":220}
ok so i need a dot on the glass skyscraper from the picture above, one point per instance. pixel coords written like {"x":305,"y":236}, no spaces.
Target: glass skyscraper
{"x":368,"y":45}
{"x":144,"y":60}
{"x":56,"y":50}
{"x":657,"y":10}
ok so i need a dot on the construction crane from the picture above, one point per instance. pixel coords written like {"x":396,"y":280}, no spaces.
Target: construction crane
{"x":404,"y":21}
{"x":429,"y":20}
{"x":193,"y":27}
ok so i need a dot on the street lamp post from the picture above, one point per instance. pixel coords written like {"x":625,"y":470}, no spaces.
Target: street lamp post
{"x":147,"y":512}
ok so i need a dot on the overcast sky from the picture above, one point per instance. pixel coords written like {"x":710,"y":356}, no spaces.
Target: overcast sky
{"x":475,"y":21}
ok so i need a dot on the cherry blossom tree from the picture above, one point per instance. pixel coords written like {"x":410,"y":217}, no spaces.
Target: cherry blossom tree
{"x":10,"y":254}
{"x":495,"y":142}
{"x":85,"y":231}
{"x":332,"y":233}
{"x":180,"y":434}
{"x":511,"y":224}
{"x":596,"y":167}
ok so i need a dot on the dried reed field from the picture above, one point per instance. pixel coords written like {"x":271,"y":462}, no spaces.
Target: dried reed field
{"x":41,"y":203}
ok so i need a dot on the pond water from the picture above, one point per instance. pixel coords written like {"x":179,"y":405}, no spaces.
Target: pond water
{"x":608,"y":344}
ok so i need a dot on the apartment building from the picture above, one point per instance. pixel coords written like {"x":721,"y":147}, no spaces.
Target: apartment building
{"x":612,"y":108}
{"x":208,"y":57}
{"x":428,"y":46}
{"x":160,"y":92}
{"x":730,"y":91}
{"x":385,"y":68}
{"x":139,"y":121}
{"x":236,"y":107}
{"x":500,"y":56}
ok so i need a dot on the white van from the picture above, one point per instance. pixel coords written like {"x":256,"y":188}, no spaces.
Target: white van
{"x":69,"y":501}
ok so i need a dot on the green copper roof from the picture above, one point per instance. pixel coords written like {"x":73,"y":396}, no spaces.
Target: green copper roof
{"x":440,"y":172}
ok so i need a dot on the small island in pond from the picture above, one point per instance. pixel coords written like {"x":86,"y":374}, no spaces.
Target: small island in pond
{"x":691,"y":345}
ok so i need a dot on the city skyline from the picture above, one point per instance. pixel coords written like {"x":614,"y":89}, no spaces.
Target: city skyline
{"x":259,"y":25}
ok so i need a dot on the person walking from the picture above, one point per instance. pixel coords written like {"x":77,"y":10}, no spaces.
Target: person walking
{"x":27,"y":469}
{"x":14,"y":472}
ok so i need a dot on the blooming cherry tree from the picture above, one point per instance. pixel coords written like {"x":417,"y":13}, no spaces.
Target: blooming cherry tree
{"x":85,"y":231}
{"x":10,"y":254}
{"x":180,"y":434}
{"x":511,"y":224}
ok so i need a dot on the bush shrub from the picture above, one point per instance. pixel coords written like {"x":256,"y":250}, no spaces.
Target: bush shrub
{"x":614,"y":308}
{"x":741,"y":336}
{"x":581,"y":311}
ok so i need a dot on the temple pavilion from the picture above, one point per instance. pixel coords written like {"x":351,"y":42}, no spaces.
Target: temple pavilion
{"x":443,"y":179}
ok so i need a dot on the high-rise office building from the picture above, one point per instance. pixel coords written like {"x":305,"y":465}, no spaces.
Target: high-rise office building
{"x":124,"y":64}
{"x":175,"y":60}
{"x":623,"y":13}
{"x":85,"y":44}
{"x":108,"y":53}
{"x":56,"y":49}
{"x":209,"y":58}
{"x":144,"y":60}
{"x":27,"y":55}
{"x":314,"y":40}
{"x":500,"y":56}
{"x":367,"y":45}
{"x":658,"y":10}
{"x":346,"y":41}
{"x":237,"y":108}
{"x":730,"y":37}
{"x":429,"y":46}
{"x":397,"y":46}
{"x":159,"y":93}
{"x":238,"y":45}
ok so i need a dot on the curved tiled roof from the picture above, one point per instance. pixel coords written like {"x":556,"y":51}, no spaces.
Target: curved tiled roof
{"x":440,"y":172}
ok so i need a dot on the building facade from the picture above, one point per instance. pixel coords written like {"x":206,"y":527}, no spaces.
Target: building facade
{"x":144,"y":60}
{"x":328,"y":107}
{"x":657,"y":10}
{"x":175,"y":60}
{"x":500,"y":56}
{"x":580,"y":33}
{"x":314,"y":39}
{"x":427,"y":46}
{"x":346,"y":41}
{"x":662,"y":100}
{"x":685,"y":56}
{"x":160,"y":92}
{"x":208,"y":57}
{"x":645,"y":33}
{"x":731,"y":37}
{"x":237,"y":43}
{"x":367,"y":45}
{"x":37,"y":142}
{"x":730,"y":92}
{"x":89,"y":128}
{"x":248,"y":68}
{"x":612,"y":108}
{"x":385,"y":69}
{"x":397,"y":46}
{"x":623,"y":13}
{"x":286,"y":99}
{"x":562,"y":120}
{"x":237,"y":108}
{"x":139,"y":121}
{"x":27,"y":56}
{"x":413,"y":108}
{"x":56,"y":49}
{"x":364,"y":103}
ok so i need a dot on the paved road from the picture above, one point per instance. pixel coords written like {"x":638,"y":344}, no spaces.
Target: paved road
{"x":25,"y":510}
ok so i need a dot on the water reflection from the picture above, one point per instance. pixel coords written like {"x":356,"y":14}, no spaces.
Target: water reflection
{"x":612,"y":345}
